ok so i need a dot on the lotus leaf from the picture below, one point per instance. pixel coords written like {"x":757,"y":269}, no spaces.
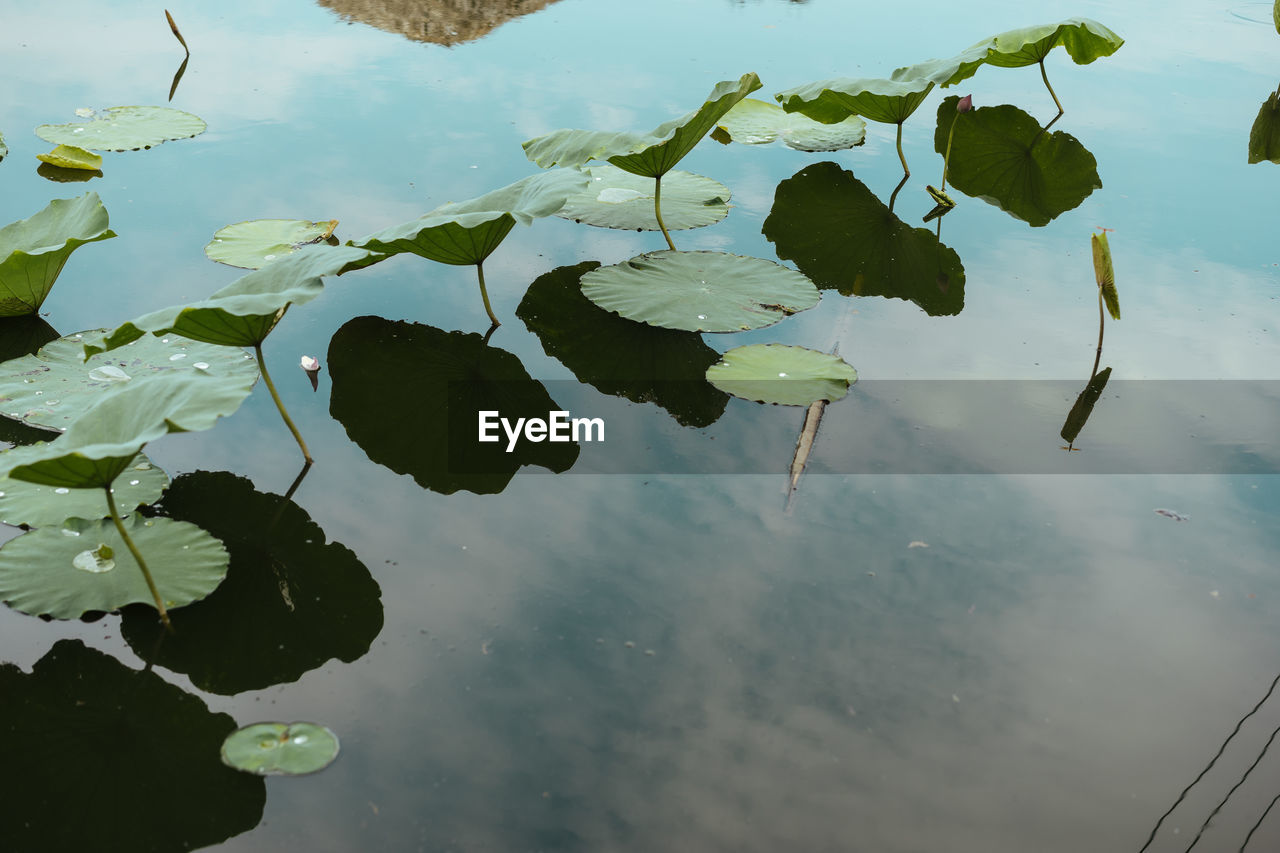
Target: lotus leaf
{"x":280,"y":749}
{"x":833,"y":101}
{"x":59,"y":175}
{"x":21,"y":336}
{"x":754,"y":122}
{"x":55,"y":387}
{"x":71,"y":157}
{"x":700,"y":291}
{"x":33,"y":251}
{"x":945,"y":72}
{"x":84,"y":566}
{"x":785,"y":375}
{"x":650,"y":155}
{"x":41,"y":506}
{"x":1105,"y":273}
{"x":841,"y":235}
{"x":1003,"y":156}
{"x":1083,"y":408}
{"x":1264,"y":137}
{"x":83,"y":728}
{"x":254,"y":244}
{"x":620,"y":357}
{"x":124,"y":129}
{"x":618,"y":199}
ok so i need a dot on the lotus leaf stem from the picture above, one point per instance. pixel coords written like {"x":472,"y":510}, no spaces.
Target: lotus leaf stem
{"x":288,"y":421}
{"x":1045,"y":77}
{"x":657,"y":210}
{"x":1102,"y":319}
{"x":946,"y":158}
{"x":905,"y":170}
{"x":893,"y":199}
{"x":142,"y":564}
{"x":484,"y":294}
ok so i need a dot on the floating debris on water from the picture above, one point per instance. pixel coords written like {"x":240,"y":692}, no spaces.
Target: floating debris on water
{"x":917,"y":544}
{"x":1176,"y":516}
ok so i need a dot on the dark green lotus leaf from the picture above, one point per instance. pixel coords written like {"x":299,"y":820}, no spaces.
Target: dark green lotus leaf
{"x":785,"y":375}
{"x":71,"y":157}
{"x":80,"y":566}
{"x":620,"y":357}
{"x":754,"y":122}
{"x":23,"y":335}
{"x":467,"y":232}
{"x":832,"y":101}
{"x":650,"y":155}
{"x":280,"y":749}
{"x":41,"y":506}
{"x":34,"y":250}
{"x":1083,"y":408}
{"x":409,"y":395}
{"x":54,"y":387}
{"x":839,"y":234}
{"x":1003,"y":156}
{"x":83,"y":728}
{"x":59,"y":175}
{"x":125,"y":129}
{"x":287,"y":590}
{"x":1264,"y":137}
{"x":700,"y":291}
{"x":244,"y":312}
{"x":618,"y":199}
{"x":256,"y":243}
{"x":946,"y":72}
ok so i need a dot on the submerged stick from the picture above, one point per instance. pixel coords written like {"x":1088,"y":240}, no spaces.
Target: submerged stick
{"x":484,"y":294}
{"x":657,"y":210}
{"x":142,"y":564}
{"x":173,"y":26}
{"x":288,"y":421}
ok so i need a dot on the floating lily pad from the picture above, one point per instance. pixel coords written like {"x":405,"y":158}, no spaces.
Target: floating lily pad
{"x":700,"y":291}
{"x":114,"y":727}
{"x":1003,"y":156}
{"x":125,"y":129}
{"x":842,"y":236}
{"x":41,"y":506}
{"x":787,"y":376}
{"x":280,"y":749}
{"x":79,"y":566}
{"x":618,"y":199}
{"x":71,"y":157}
{"x":33,"y":251}
{"x":1264,"y":136}
{"x":54,"y":387}
{"x":254,"y":244}
{"x":833,"y":101}
{"x":754,"y":122}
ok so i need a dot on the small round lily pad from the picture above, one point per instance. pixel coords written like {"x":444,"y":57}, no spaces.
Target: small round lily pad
{"x":618,"y":199}
{"x":785,"y":375}
{"x":125,"y":129}
{"x":256,"y":243}
{"x":280,"y":749}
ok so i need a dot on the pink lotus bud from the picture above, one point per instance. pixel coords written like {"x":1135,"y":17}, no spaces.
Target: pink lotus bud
{"x":312,"y":367}
{"x":966,"y":104}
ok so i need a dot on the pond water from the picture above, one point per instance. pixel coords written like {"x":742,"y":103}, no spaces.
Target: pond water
{"x":956,"y":636}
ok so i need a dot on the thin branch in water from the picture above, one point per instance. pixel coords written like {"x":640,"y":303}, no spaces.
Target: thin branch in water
{"x":1254,"y":828}
{"x":1234,"y":788}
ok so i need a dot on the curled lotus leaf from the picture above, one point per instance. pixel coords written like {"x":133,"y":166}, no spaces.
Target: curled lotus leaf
{"x":280,"y":749}
{"x":256,"y":243}
{"x":618,"y":199}
{"x":754,"y":122}
{"x":36,"y":505}
{"x":125,"y":129}
{"x":784,"y":375}
{"x":71,"y":157}
{"x":1264,"y":136}
{"x":33,"y":251}
{"x":833,"y":101}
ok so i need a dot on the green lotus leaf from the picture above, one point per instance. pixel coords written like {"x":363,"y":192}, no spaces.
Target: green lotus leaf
{"x":649,"y":155}
{"x":56,"y":386}
{"x":256,"y":243}
{"x":125,"y":129}
{"x":244,"y":312}
{"x":21,"y":336}
{"x":618,"y":199}
{"x":1085,"y":40}
{"x":71,"y":157}
{"x":34,"y":250}
{"x":59,"y":175}
{"x":1083,"y":408}
{"x":842,"y":236}
{"x":785,"y":375}
{"x":833,"y":101}
{"x":81,"y":566}
{"x":41,"y":506}
{"x":288,"y":590}
{"x":467,"y":232}
{"x":620,"y":357}
{"x":946,"y":72}
{"x":1105,"y":273}
{"x":280,"y":749}
{"x":754,"y":122}
{"x":700,"y":291}
{"x":1264,"y":137}
{"x":409,"y":395}
{"x":83,"y":728}
{"x":1003,"y":156}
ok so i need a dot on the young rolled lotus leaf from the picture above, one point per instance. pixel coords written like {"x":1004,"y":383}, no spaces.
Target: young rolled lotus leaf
{"x":1105,"y":273}
{"x":618,"y":199}
{"x":1003,"y":156}
{"x":650,"y":155}
{"x":783,"y":375}
{"x":467,"y":232}
{"x":832,"y":101}
{"x":700,"y":291}
{"x":256,"y":243}
{"x":36,"y":505}
{"x":71,"y":157}
{"x":33,"y":251}
{"x":1264,"y":136}
{"x":753,"y":122}
{"x":125,"y":129}
{"x":280,"y":749}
